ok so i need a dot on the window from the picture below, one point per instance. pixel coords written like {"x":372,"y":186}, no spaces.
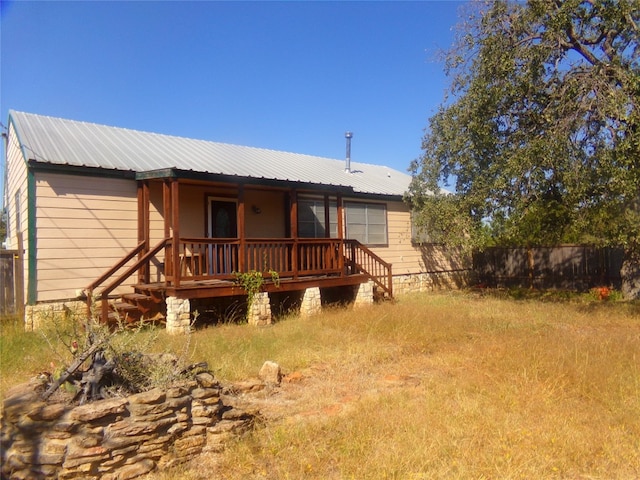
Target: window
{"x":17,"y":213}
{"x":311,"y":220}
{"x":419,"y":235}
{"x":366,"y":222}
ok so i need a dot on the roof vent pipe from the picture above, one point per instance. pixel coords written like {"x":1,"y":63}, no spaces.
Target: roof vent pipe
{"x":348,"y":136}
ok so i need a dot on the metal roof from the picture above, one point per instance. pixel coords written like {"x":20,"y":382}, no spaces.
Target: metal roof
{"x":58,"y":141}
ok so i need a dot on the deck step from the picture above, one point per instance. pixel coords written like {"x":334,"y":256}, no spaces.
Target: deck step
{"x":124,"y":311}
{"x":137,"y":297}
{"x":142,"y":302}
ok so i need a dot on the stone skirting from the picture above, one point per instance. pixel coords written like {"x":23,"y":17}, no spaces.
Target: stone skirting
{"x":36,"y":316}
{"x":117,"y":438}
{"x":179,"y":315}
{"x":426,"y":282}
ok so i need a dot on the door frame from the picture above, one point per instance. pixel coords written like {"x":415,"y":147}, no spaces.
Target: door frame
{"x":209,"y":224}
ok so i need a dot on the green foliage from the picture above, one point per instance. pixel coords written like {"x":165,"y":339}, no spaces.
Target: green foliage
{"x":3,"y":226}
{"x":541,"y":132}
{"x":275,"y":278}
{"x":252,"y":282}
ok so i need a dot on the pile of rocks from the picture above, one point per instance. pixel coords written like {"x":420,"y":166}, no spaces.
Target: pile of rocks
{"x":117,"y":438}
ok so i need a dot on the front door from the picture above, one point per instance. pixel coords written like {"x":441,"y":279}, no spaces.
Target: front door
{"x":223,"y":224}
{"x":223,"y":219}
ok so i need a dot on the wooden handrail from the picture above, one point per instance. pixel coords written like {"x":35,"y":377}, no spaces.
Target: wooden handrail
{"x":135,"y":267}
{"x":104,"y":295}
{"x":371,"y":265}
{"x":100,"y":280}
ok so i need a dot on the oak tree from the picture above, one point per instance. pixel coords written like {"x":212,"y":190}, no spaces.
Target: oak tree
{"x":540,"y":131}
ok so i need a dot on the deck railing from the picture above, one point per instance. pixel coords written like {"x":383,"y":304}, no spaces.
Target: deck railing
{"x":360,"y":259}
{"x":206,"y":258}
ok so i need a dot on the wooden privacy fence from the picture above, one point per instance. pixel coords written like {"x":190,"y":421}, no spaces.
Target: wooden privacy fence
{"x":566,"y":267}
{"x":11,"y":297}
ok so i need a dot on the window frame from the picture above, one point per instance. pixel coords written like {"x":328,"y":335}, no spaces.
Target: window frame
{"x":370,"y":207}
{"x":333,"y":216}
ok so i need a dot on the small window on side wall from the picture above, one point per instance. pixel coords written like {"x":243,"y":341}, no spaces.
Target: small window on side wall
{"x":16,"y":215}
{"x":419,"y":234}
{"x":366,"y":222}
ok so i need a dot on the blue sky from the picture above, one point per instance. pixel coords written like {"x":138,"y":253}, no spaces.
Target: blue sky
{"x":290,"y":76}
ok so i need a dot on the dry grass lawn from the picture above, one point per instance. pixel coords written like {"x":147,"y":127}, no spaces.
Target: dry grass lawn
{"x":451,"y":386}
{"x":447,"y":385}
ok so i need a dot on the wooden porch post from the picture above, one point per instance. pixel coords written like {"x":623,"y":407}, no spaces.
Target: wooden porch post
{"x":241,"y":230}
{"x":341,"y":234}
{"x":293,"y":220}
{"x":327,"y":221}
{"x":340,"y":217}
{"x":166,"y":215}
{"x":143,"y":227}
{"x":175,"y":224}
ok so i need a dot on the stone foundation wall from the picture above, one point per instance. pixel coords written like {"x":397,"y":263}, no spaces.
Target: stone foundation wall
{"x":426,"y":282}
{"x":118,"y":438}
{"x":364,"y":295}
{"x":36,"y":316}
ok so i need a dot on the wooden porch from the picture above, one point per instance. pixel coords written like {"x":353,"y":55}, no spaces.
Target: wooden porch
{"x":208,"y":267}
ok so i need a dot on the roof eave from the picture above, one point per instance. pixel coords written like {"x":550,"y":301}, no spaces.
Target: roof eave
{"x":79,"y":169}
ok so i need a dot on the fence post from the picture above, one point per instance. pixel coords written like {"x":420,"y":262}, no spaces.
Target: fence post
{"x":18,"y":269}
{"x":530,"y":266}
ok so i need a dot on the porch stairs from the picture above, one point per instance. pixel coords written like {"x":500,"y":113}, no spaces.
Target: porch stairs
{"x":129,"y":308}
{"x":135,"y":307}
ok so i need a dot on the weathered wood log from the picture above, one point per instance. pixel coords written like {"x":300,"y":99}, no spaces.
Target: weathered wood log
{"x":72,"y":368}
{"x":92,"y":378}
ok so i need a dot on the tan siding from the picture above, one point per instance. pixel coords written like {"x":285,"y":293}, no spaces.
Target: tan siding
{"x":156,"y":226}
{"x":57,"y":270}
{"x":192,"y":211}
{"x":400,"y":252}
{"x":93,"y":256}
{"x":86,"y":187}
{"x":87,"y":235}
{"x":116,"y":204}
{"x":156,"y":219}
{"x":85,"y":225}
{"x":407,"y":258}
{"x":269,"y":223}
{"x":17,"y":183}
{"x":82,"y":225}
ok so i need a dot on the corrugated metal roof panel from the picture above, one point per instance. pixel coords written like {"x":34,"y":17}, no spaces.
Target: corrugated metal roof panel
{"x":68,"y":142}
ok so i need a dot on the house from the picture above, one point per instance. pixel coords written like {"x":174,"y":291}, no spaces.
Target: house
{"x":147,"y":224}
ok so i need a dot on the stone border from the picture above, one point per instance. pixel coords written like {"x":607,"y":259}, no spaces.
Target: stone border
{"x":117,"y":438}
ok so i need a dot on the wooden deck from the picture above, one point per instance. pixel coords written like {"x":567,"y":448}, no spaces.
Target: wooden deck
{"x":224,"y":288}
{"x":198,"y":268}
